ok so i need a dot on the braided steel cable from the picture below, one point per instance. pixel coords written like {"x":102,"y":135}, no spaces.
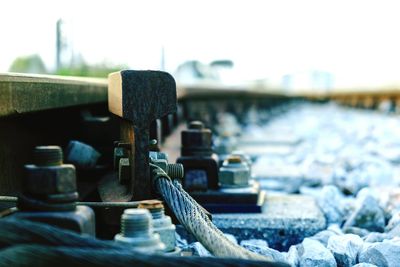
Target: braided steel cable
{"x":191,"y":215}
{"x":25,"y":243}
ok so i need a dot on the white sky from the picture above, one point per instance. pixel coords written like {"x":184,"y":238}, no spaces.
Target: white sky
{"x":358,"y":41}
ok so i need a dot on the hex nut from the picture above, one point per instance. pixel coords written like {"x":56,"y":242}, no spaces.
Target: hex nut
{"x":164,"y":227}
{"x":50,"y":180}
{"x":162,"y":163}
{"x":234,"y":174}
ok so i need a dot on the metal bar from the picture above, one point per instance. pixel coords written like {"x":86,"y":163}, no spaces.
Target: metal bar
{"x":8,"y":199}
{"x":22,"y":93}
{"x":131,"y":204}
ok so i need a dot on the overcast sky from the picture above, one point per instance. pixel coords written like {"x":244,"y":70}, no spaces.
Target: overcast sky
{"x":355,"y":40}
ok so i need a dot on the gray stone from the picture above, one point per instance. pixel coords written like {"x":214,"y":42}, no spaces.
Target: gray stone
{"x":368,"y":215}
{"x":393,"y":222}
{"x":254,"y":242}
{"x":395,"y":232}
{"x":180,"y":242}
{"x":313,"y":253}
{"x":286,"y":220}
{"x":364,"y":265}
{"x":277,"y":176}
{"x":199,"y":250}
{"x":292,"y":256}
{"x":356,"y":231}
{"x":383,"y":254}
{"x":358,"y":171}
{"x":266,"y":251}
{"x":345,"y":249}
{"x":335,"y":228}
{"x":323,"y":236}
{"x":376,"y":237}
{"x":331,"y":202}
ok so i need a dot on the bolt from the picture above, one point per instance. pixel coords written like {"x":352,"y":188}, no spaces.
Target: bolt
{"x":49,"y":175}
{"x":137,"y":230}
{"x":135,"y":223}
{"x":155,"y":207}
{"x":162,"y":223}
{"x":245,"y":158}
{"x":234,"y":159}
{"x":196,"y":140}
{"x":175,"y":170}
{"x":234,"y":172}
{"x":124,"y":170}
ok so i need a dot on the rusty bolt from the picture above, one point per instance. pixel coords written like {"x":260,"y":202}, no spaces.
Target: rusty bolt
{"x":234,"y":173}
{"x":151,"y":204}
{"x":48,"y":175}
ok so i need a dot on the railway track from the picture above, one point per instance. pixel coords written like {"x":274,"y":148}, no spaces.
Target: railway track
{"x":42,"y":110}
{"x":33,"y":110}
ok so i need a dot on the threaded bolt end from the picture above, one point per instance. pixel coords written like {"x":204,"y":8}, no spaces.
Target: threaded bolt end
{"x":175,"y":171}
{"x":196,"y":125}
{"x":48,"y":156}
{"x":136,"y":223}
{"x":157,"y":213}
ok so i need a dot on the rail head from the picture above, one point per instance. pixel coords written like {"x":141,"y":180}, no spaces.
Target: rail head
{"x":216,"y":90}
{"x":23,"y":93}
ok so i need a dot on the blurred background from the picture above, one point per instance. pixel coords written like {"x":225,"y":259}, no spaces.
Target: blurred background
{"x":285,"y":44}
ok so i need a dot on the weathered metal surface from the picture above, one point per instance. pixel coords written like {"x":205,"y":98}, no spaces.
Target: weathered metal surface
{"x":198,"y":159}
{"x":140,"y":97}
{"x":81,"y":220}
{"x":285,"y":221}
{"x":22,"y":93}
